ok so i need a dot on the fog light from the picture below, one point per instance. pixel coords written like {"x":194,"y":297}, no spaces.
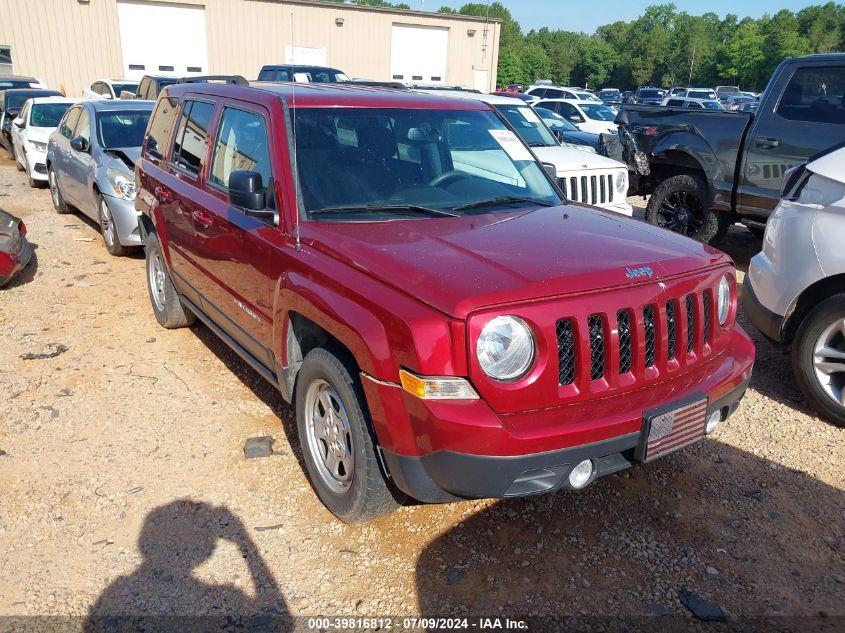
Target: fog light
{"x":713,"y":422}
{"x":581,"y":474}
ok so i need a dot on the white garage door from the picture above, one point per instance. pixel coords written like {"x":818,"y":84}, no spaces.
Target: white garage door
{"x":418,"y":54}
{"x":162,"y":39}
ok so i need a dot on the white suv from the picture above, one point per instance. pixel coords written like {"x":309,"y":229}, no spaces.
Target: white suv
{"x":794,"y":291}
{"x":584,"y":176}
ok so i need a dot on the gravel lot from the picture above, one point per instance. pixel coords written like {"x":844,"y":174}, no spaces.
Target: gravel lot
{"x":125,"y":489}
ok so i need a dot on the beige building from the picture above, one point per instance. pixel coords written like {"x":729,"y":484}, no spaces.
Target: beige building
{"x":70,"y":43}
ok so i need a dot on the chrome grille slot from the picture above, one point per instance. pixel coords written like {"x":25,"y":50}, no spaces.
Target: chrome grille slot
{"x":596,"y":328}
{"x":566,"y":352}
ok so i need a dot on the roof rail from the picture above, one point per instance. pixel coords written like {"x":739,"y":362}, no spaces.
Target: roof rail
{"x":375,"y":84}
{"x":229,"y":79}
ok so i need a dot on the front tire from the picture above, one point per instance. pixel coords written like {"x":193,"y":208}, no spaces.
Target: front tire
{"x":680,"y":204}
{"x":818,"y":358}
{"x":338,"y":445}
{"x":59,"y":203}
{"x":167,"y":306}
{"x":108,"y":230}
{"x":18,"y":164}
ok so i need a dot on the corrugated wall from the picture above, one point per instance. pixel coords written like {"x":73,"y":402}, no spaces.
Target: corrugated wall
{"x":69,"y":43}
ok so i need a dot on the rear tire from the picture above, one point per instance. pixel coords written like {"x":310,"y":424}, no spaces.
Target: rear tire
{"x":338,"y":444}
{"x":167,"y":306}
{"x":108,"y":230}
{"x":818,"y":358}
{"x":59,"y":203}
{"x":680,"y":204}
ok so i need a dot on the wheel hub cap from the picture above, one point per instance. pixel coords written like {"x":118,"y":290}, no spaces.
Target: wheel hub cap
{"x":329,"y":436}
{"x":829,"y":361}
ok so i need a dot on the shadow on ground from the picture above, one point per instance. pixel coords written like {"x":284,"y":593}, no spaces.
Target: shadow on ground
{"x":636,"y":543}
{"x":164,"y":594}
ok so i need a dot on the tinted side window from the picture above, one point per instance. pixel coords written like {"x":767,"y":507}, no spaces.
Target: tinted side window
{"x":161,"y":123}
{"x":241,"y":145}
{"x":815,"y":95}
{"x":675,"y":103}
{"x":83,"y":126}
{"x":694,"y":105}
{"x":69,"y":122}
{"x":192,"y":135}
{"x":554,"y":94}
{"x":539,"y":93}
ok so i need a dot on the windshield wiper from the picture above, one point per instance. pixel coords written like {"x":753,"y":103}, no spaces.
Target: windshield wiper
{"x":379,"y":208}
{"x":492,"y":202}
{"x":538,"y":144}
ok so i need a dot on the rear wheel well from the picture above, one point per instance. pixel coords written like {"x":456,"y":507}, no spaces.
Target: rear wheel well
{"x":672,"y":163}
{"x":303,"y":336}
{"x":809,"y":299}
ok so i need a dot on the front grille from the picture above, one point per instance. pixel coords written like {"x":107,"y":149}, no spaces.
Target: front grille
{"x":591,"y":189}
{"x":650,"y":335}
{"x":623,"y":325}
{"x":594,"y":323}
{"x":566,"y":352}
{"x":690,"y":323}
{"x":639,"y":332}
{"x":671,"y":331}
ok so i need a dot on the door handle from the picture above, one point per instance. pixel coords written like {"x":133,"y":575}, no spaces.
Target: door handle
{"x":202,"y":218}
{"x":162,"y":194}
{"x":766,"y":142}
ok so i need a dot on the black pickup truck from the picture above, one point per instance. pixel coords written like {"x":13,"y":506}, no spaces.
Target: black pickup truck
{"x":706,"y":170}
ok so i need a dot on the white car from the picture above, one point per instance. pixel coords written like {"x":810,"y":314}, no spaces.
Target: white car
{"x":548,"y":91}
{"x":588,"y":116}
{"x":109,"y":88}
{"x":584,"y":176}
{"x":38,"y":118}
{"x":693,"y":93}
{"x":692,"y":104}
{"x":794,"y":291}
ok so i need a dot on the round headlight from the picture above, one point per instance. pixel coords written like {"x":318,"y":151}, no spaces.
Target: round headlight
{"x":621,"y":181}
{"x":724,"y":299}
{"x":505,"y":348}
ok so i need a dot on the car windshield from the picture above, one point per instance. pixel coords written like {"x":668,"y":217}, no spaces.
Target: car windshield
{"x":560,"y":121}
{"x":15,"y":83}
{"x":608,"y":94}
{"x":701,"y":94}
{"x":128,"y":87}
{"x":47,"y":114}
{"x":365,"y":164}
{"x":712,"y":105}
{"x":122,"y":128}
{"x":527,"y":124}
{"x":14,"y":102}
{"x":598,"y":112}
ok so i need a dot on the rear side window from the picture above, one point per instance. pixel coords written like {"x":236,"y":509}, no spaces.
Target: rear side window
{"x":160,"y":126}
{"x":192,"y":135}
{"x":241,"y":145}
{"x":69,"y":122}
{"x":815,"y":95}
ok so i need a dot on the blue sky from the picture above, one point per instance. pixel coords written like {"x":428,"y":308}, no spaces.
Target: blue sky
{"x":587,"y":15}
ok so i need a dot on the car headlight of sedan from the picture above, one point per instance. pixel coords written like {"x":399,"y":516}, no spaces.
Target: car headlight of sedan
{"x":723,"y":301}
{"x":621,"y":181}
{"x":123,"y":186}
{"x":38,"y":146}
{"x":505,"y":348}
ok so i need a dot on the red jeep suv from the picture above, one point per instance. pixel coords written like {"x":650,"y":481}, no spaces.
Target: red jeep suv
{"x":407,"y":274}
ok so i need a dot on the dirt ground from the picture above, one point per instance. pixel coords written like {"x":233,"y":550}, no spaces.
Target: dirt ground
{"x":124,"y":488}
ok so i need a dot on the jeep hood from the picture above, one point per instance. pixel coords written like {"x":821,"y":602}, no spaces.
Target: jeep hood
{"x":457,"y":265}
{"x":567,"y":159}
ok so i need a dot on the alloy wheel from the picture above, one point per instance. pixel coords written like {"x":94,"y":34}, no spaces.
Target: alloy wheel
{"x":54,"y":188}
{"x":157,"y":280}
{"x":681,"y":212}
{"x":829,"y":361}
{"x":106,"y":223}
{"x":329,"y":436}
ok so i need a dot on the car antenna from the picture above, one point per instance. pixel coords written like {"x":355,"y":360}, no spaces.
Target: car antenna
{"x":296,"y":237}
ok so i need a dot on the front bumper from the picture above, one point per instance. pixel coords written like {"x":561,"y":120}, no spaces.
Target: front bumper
{"x":36,"y":164}
{"x":462,"y":449}
{"x":125,"y":220}
{"x":769,"y":323}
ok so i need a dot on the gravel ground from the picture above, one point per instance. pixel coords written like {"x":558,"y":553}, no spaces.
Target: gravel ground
{"x":125,"y":489}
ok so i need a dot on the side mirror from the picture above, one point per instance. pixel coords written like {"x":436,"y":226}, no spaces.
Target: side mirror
{"x":550,"y":170}
{"x":558,"y":135}
{"x":107,"y":95}
{"x":79,"y":144}
{"x":575,"y":118}
{"x":19,"y":124}
{"x":246,"y":191}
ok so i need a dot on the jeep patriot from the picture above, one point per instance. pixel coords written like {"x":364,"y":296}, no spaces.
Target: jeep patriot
{"x":444,"y":331}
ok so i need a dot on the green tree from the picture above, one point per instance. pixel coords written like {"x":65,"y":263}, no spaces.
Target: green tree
{"x":596,"y":60}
